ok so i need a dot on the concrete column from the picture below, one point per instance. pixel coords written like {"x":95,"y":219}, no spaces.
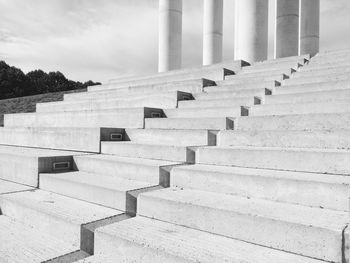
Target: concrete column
{"x":251,"y":30}
{"x":212,"y":31}
{"x":287,"y":28}
{"x":309,"y":27}
{"x":170,"y":35}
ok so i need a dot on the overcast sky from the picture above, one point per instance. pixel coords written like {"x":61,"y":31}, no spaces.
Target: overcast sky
{"x":103,"y":39}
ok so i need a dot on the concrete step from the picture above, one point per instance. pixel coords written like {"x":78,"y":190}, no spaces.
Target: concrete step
{"x":126,"y":118}
{"x":55,"y":215}
{"x":236,"y":79}
{"x":316,"y":79}
{"x":213,"y":72}
{"x":290,"y":159}
{"x":22,"y":165}
{"x":261,"y":74}
{"x":192,"y":85}
{"x":221,"y":86}
{"x":7,"y":187}
{"x":189,"y":123}
{"x":323,"y":139}
{"x":334,"y":57}
{"x":321,"y":121}
{"x":20,"y":243}
{"x":234,"y":94}
{"x":127,"y":95}
{"x":307,"y":189}
{"x":145,"y":170}
{"x":302,"y":59}
{"x":100,"y":189}
{"x":146,"y":240}
{"x":173,"y":153}
{"x":231,"y":102}
{"x":318,"y":96}
{"x":331,"y":66}
{"x":322,"y":72}
{"x":312,"y":232}
{"x":178,"y":137}
{"x":73,"y":139}
{"x":313,"y":87}
{"x":165,"y":100}
{"x":205,"y":112}
{"x":264,"y":67}
{"x":341,"y":106}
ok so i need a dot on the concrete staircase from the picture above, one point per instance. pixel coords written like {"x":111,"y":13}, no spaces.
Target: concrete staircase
{"x":223,"y":163}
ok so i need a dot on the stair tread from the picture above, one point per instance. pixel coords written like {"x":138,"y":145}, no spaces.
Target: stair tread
{"x":292,"y":175}
{"x":99,"y":180}
{"x":194,"y":245}
{"x":139,"y":161}
{"x":7,"y":187}
{"x":58,"y":206}
{"x":308,"y":216}
{"x":21,"y":243}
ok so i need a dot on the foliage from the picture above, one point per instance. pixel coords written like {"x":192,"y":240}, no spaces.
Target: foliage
{"x":14,"y":83}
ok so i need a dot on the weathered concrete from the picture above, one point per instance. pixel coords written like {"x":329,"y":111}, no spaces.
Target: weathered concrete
{"x":22,"y":165}
{"x":309,"y":189}
{"x":126,"y":118}
{"x":255,"y":79}
{"x":162,"y":100}
{"x":323,"y":139}
{"x":21,"y":243}
{"x":312,"y":97}
{"x":251,"y":30}
{"x":204,"y":112}
{"x":193,"y":85}
{"x":290,"y":159}
{"x":259,"y":92}
{"x":7,"y":187}
{"x":152,"y":171}
{"x":153,"y":241}
{"x":287,"y":28}
{"x":212,"y":31}
{"x":226,"y":86}
{"x":100,"y":189}
{"x":170,"y":35}
{"x":189,"y":123}
{"x":261,"y":74}
{"x":311,"y":232}
{"x":72,"y":139}
{"x":53,"y":214}
{"x":131,"y":149}
{"x":341,"y":106}
{"x":230,"y":102}
{"x":326,"y":121}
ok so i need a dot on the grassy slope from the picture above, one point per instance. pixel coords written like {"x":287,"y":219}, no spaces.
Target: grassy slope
{"x":27,"y":104}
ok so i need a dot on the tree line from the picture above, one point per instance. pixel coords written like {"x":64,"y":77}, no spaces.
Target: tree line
{"x":14,"y":83}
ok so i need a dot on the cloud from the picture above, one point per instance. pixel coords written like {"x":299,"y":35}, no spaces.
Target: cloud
{"x":89,"y":39}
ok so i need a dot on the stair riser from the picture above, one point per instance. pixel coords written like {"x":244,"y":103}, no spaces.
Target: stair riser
{"x":191,"y":124}
{"x":91,"y":106}
{"x":157,"y":152}
{"x":290,"y":109}
{"x":222,"y":87}
{"x":218,"y":103}
{"x":130,"y":118}
{"x":318,"y":162}
{"x":322,"y":72}
{"x":171,"y":137}
{"x":295,"y":122}
{"x":253,"y":79}
{"x":318,"y":79}
{"x":263,"y":74}
{"x":286,"y":190}
{"x":229,"y":94}
{"x":91,"y":193}
{"x":61,"y":229}
{"x":313,"y":97}
{"x":203,"y":113}
{"x":313,"y":87}
{"x":302,"y":240}
{"x":124,"y":170}
{"x":317,"y":139}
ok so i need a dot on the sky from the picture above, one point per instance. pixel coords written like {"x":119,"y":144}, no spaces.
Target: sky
{"x":104,"y":39}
